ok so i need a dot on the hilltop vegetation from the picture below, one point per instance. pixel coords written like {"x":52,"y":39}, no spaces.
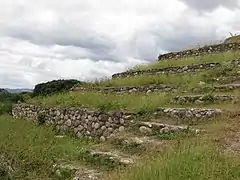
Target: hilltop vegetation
{"x":6,"y":100}
{"x":54,"y":86}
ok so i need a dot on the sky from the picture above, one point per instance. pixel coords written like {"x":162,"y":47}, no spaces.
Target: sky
{"x":89,"y":39}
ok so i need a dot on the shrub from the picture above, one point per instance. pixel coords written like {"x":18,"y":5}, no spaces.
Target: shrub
{"x":54,"y":86}
{"x":6,"y":101}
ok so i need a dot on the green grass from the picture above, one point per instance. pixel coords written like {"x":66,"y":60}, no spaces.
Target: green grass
{"x":185,"y":80}
{"x":194,"y":160}
{"x":34,"y":149}
{"x":220,"y":57}
{"x":136,"y":101}
{"x":102,"y":101}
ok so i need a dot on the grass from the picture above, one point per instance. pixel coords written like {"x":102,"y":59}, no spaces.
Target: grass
{"x":220,"y":57}
{"x":137,"y":101}
{"x":190,"y":160}
{"x":185,"y":80}
{"x":32,"y":150}
{"x":102,"y":101}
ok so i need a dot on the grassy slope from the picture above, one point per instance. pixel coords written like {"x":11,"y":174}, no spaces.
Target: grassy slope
{"x":39,"y":149}
{"x":138,"y":101}
{"x":200,"y":157}
{"x":34,"y":149}
{"x":220,"y":57}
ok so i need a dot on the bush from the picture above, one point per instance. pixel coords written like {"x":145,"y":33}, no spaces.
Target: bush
{"x":54,"y":86}
{"x":6,"y":101}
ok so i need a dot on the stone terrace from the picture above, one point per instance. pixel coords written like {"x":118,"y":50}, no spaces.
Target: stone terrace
{"x":201,"y":51}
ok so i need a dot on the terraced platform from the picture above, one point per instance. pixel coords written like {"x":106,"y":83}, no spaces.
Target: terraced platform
{"x":141,"y":114}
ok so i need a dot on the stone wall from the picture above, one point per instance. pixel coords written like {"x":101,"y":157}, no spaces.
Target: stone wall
{"x":200,"y":99}
{"x":177,"y":69}
{"x":224,"y":80}
{"x":82,"y":122}
{"x":98,"y":124}
{"x":201,"y":51}
{"x":187,"y":113}
{"x":127,"y":89}
{"x":167,"y":70}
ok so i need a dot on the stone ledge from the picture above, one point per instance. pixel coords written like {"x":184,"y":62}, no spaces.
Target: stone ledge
{"x":97,"y":124}
{"x":187,"y":113}
{"x":111,"y":156}
{"x":220,"y":88}
{"x":82,"y":122}
{"x":200,"y":51}
{"x":200,"y":99}
{"x":127,"y":89}
{"x":229,"y":79}
{"x":178,"y":69}
{"x":167,"y":70}
{"x":159,"y":128}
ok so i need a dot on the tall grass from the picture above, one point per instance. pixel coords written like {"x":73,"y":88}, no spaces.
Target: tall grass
{"x":33,"y":150}
{"x":220,"y":57}
{"x":185,"y":80}
{"x":102,"y":101}
{"x":195,"y":160}
{"x":110,"y":101}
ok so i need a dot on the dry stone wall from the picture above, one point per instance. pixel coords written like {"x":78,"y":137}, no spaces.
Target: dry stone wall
{"x":200,"y":99}
{"x":82,"y":122}
{"x":187,"y":113}
{"x":201,"y":51}
{"x":127,"y":89}
{"x":177,"y":69}
{"x":224,"y":80}
{"x":98,"y":124}
{"x":167,"y":70}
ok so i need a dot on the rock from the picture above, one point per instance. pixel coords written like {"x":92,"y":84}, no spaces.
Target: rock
{"x":121,"y":129}
{"x":96,"y":126}
{"x":122,"y":121}
{"x":68,"y":122}
{"x":145,"y":130}
{"x":79,"y":135}
{"x":201,"y":83}
{"x":102,"y":138}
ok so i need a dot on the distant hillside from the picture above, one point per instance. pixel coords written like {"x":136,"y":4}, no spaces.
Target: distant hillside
{"x":18,"y":90}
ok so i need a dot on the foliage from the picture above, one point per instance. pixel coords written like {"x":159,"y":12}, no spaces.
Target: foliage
{"x":192,"y":160}
{"x":54,"y":86}
{"x":33,"y":150}
{"x":41,"y":118}
{"x":7,"y":99}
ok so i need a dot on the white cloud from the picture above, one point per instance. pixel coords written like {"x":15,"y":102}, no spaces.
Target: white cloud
{"x":45,"y":40}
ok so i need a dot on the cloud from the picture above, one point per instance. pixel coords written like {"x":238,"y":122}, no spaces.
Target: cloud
{"x":87,"y":40}
{"x":209,"y":5}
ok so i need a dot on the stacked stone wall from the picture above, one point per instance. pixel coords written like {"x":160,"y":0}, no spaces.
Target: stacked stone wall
{"x":201,"y":51}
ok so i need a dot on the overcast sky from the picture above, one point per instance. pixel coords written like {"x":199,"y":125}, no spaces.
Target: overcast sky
{"x":88,"y":39}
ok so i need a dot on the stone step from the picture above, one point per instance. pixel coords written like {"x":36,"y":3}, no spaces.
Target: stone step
{"x":149,"y":128}
{"x":177,"y":69}
{"x":167,"y":70}
{"x":218,"y":88}
{"x":136,"y":143}
{"x":127,"y":89}
{"x":113,"y":158}
{"x":200,"y":99}
{"x":78,"y":172}
{"x":229,"y":79}
{"x":187,"y":113}
{"x":201,"y":51}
